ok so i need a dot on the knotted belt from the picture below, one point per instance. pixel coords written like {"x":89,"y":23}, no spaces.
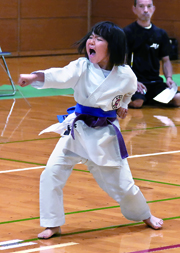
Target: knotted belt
{"x":94,"y":117}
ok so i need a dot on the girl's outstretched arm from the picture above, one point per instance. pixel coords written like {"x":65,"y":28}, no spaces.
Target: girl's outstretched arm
{"x":26,"y":79}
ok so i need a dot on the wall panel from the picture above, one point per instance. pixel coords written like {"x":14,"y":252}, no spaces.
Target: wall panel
{"x":51,"y":34}
{"x":9,"y":9}
{"x":9,"y":35}
{"x":106,"y":9}
{"x":9,"y":25}
{"x":167,"y":10}
{"x":177,"y":33}
{"x":53,"y":8}
{"x":51,"y":26}
{"x":40,"y":27}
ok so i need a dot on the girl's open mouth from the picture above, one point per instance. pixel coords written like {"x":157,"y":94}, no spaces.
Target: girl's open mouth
{"x":92,"y":51}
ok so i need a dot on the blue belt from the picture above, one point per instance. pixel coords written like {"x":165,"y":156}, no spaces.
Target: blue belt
{"x":94,"y":117}
{"x":97,"y":112}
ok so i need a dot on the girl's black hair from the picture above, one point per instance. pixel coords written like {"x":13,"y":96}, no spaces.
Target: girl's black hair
{"x":115,"y":37}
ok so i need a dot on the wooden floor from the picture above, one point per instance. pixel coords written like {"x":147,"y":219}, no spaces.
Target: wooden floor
{"x":94,"y":223}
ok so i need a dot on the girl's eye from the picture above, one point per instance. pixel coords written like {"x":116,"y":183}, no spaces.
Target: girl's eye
{"x":99,"y":39}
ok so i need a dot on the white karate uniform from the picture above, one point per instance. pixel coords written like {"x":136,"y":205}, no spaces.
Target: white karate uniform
{"x":97,"y":147}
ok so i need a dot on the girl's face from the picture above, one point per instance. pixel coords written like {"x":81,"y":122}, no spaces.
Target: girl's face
{"x":97,"y":50}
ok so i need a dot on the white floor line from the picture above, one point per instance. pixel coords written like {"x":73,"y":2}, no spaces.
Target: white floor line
{"x":14,"y":244}
{"x":47,"y":247}
{"x":154,"y":154}
{"x":133,"y":156}
{"x":10,"y":242}
{"x":31,"y":168}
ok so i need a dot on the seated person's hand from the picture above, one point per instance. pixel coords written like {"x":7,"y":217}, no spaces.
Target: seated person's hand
{"x":141,"y":88}
{"x":169,"y":82}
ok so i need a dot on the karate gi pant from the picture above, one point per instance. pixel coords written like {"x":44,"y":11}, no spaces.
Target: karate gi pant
{"x":115,"y":181}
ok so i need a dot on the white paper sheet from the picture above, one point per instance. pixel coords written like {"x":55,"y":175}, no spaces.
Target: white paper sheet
{"x":166,"y":95}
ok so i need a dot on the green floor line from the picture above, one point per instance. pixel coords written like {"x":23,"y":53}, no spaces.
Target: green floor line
{"x":87,"y":171}
{"x":20,"y":161}
{"x":101,"y":229}
{"x":140,"y":179}
{"x":22,"y":141}
{"x":42,"y":164}
{"x":157,"y":182}
{"x":161,"y":200}
{"x":149,"y":128}
{"x":51,"y":138}
{"x":104,"y":228}
{"x":113,"y":227}
{"x":85,"y":211}
{"x":20,"y":220}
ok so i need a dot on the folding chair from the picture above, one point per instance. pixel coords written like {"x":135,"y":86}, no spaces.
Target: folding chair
{"x":2,"y":55}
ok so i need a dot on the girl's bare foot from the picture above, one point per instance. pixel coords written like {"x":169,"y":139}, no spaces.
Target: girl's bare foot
{"x":154,"y":222}
{"x":49,"y":232}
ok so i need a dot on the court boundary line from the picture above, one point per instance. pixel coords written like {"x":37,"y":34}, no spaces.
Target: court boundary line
{"x":42,"y":165}
{"x":22,"y":141}
{"x":102,"y":228}
{"x":157,"y":249}
{"x":88,"y":210}
{"x":155,"y":154}
{"x":86,"y":171}
{"x":24,"y":169}
{"x":59,"y":136}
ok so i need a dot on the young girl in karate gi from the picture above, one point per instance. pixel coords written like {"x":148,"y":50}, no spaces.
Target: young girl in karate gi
{"x":103,"y":85}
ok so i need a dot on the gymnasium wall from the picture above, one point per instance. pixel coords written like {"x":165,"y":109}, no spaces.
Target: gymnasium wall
{"x":43,"y":27}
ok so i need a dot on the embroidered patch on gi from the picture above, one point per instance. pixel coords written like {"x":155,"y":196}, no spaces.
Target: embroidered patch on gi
{"x":116,"y":102}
